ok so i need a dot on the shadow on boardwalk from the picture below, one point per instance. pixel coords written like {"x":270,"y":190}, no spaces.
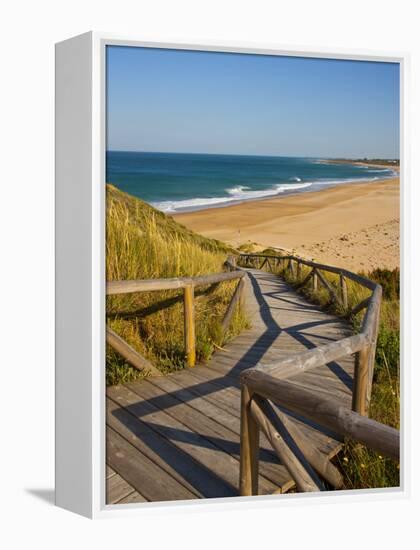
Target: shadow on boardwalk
{"x":186,"y":425}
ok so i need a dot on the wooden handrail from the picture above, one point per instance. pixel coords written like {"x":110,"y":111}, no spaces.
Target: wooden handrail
{"x":329,"y":413}
{"x":267,"y":382}
{"x":258,"y":388}
{"x":332,"y":269}
{"x":151,"y":285}
{"x":364,"y":348}
{"x":321,"y":355}
{"x":188,"y":284}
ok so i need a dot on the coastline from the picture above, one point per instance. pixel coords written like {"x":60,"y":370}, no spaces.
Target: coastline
{"x":353,"y":225}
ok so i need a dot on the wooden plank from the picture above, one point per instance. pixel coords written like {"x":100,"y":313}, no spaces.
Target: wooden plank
{"x":117,"y":489}
{"x":140,"y":472}
{"x":228,"y":419}
{"x":218,"y":434}
{"x":180,"y":465}
{"x":132,"y":498}
{"x":228,"y":398}
{"x":193,"y":443}
{"x":109,"y":472}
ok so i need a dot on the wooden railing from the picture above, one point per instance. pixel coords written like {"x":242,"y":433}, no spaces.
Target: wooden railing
{"x":188,"y":284}
{"x":265,"y":383}
{"x":362,"y":344}
{"x":306,"y":465}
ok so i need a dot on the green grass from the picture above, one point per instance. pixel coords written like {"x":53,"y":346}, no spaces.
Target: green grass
{"x":362,"y":467}
{"x":143,"y":243}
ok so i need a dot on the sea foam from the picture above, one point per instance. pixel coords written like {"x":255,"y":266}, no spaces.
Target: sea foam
{"x":238,"y":193}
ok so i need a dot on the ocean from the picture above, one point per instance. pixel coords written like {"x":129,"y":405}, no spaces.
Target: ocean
{"x":175,"y":182}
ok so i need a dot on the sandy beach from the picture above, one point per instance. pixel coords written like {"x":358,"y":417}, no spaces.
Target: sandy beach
{"x":351,"y":225}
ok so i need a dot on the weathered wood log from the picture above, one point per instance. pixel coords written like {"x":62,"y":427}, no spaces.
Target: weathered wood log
{"x":150,"y":285}
{"x":290,"y":455}
{"x":133,"y":357}
{"x":189,"y":325}
{"x":236,"y":298}
{"x":357,"y":309}
{"x":343,"y":288}
{"x":329,"y":287}
{"x":372,"y":354}
{"x":249,"y":447}
{"x":307,"y":278}
{"x":360,"y":381}
{"x":318,"y":461}
{"x":315,"y":357}
{"x":217,"y":278}
{"x":371,"y":318}
{"x":291,"y":268}
{"x":146,"y":285}
{"x":314,"y":280}
{"x":326,"y":412}
{"x":337,"y":270}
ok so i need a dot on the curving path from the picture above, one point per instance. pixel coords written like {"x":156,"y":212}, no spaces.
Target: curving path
{"x":176,"y":437}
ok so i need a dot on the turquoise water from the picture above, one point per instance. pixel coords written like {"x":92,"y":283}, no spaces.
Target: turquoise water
{"x":174,"y":182}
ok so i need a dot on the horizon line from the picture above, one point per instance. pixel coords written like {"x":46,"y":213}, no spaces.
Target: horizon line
{"x":250,"y":155}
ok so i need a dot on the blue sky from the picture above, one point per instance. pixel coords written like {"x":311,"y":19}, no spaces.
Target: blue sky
{"x":205,"y":102}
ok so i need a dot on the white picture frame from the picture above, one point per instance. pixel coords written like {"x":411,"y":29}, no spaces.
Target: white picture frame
{"x":80,"y":271}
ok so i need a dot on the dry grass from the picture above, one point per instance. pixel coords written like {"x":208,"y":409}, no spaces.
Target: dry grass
{"x":142,"y":243}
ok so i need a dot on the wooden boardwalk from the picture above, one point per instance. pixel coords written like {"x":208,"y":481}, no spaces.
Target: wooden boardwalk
{"x":176,"y":437}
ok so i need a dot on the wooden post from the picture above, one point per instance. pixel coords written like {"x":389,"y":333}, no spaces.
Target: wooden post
{"x":236,"y":299}
{"x":343,"y":287}
{"x":291,"y":268}
{"x":299,"y":270}
{"x":249,"y":441}
{"x":189,"y":328}
{"x":326,"y":411}
{"x":371,"y":362}
{"x":315,"y":281}
{"x":360,"y":381}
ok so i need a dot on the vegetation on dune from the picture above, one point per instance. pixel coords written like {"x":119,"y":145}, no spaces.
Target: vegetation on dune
{"x":362,"y":467}
{"x":143,"y":243}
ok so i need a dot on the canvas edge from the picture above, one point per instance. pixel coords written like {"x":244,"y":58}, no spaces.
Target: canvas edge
{"x":95,"y":273}
{"x":74,"y":384}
